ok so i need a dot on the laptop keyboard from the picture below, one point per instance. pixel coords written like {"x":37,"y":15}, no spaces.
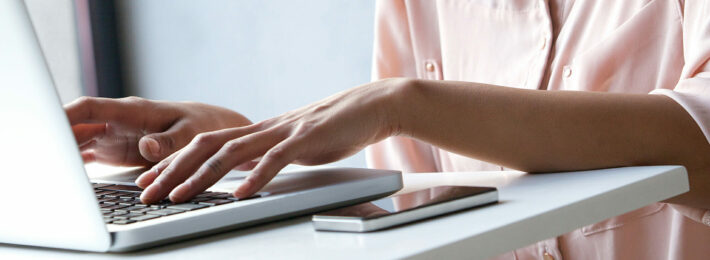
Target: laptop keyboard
{"x":121,"y":204}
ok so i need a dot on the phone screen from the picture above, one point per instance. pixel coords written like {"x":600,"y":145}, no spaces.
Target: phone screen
{"x":406,"y":202}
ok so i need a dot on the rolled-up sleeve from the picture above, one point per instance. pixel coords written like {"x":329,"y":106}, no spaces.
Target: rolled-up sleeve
{"x":393,"y":56}
{"x":693,"y":89}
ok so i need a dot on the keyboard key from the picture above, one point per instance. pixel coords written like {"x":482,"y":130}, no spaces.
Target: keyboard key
{"x":206,"y":194}
{"x":127,"y":188}
{"x":100,"y":185}
{"x":133,"y":207}
{"x":128,"y":202}
{"x":187,"y":206}
{"x":107,"y":199}
{"x":145,"y":217}
{"x":140,"y":210}
{"x":113,"y":207}
{"x":113,"y":214}
{"x":123,"y":221}
{"x":221,"y":196}
{"x":128,"y":195}
{"x":104,"y":192}
{"x":256,"y":195}
{"x":157,"y":207}
{"x":165,"y":212}
{"x":127,"y":216}
{"x":117,"y":194}
{"x":200,"y":199}
{"x":216,"y":202}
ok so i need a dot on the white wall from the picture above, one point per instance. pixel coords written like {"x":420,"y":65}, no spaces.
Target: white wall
{"x":56,"y":29}
{"x":261,"y":58}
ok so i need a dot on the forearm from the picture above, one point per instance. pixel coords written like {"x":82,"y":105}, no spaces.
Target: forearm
{"x":542,"y":131}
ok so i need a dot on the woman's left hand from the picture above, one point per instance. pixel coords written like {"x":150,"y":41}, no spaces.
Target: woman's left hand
{"x":323,"y":132}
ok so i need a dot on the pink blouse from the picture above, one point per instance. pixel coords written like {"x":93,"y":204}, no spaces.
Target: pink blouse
{"x":636,"y":46}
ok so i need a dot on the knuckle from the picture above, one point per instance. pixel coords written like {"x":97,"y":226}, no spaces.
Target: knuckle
{"x":204,"y":139}
{"x":277,"y":154}
{"x":320,"y":108}
{"x":214,"y":167}
{"x":84,"y":101}
{"x":133,"y":100}
{"x":233,"y":146}
{"x":304,"y":128}
{"x":86,"y":105}
{"x":167,"y":142}
{"x":265,"y":124}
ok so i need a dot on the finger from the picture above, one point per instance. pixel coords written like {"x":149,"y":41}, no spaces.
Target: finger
{"x":91,"y":144}
{"x":101,"y":110}
{"x":232,"y":153}
{"x":247,"y":166}
{"x":274,"y":160}
{"x":88,"y":156}
{"x":84,"y":133}
{"x":155,"y":147}
{"x":146,"y":178}
{"x":188,"y":161}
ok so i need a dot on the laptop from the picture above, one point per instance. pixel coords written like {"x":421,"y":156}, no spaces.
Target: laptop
{"x":49,"y":201}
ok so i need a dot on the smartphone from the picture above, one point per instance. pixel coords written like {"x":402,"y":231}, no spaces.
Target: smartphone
{"x":404,"y":208}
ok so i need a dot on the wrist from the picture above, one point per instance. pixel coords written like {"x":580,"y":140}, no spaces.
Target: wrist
{"x":396,"y":108}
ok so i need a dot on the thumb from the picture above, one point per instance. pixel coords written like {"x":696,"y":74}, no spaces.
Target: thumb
{"x":157,"y":146}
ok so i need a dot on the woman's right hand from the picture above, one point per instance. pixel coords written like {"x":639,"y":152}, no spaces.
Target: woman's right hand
{"x":138,"y":132}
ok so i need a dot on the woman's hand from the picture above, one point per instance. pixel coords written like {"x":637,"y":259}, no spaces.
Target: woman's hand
{"x":323,"y":132}
{"x":138,"y":132}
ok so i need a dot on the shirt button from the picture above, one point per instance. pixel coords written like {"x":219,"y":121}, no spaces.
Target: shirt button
{"x":429,"y":67}
{"x":706,"y":218}
{"x":547,"y":256}
{"x":566,"y":71}
{"x":543,"y":43}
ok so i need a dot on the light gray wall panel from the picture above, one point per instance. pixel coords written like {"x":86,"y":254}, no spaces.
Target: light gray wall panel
{"x":261,"y":58}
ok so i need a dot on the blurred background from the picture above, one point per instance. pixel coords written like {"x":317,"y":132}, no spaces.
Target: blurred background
{"x":261,"y":58}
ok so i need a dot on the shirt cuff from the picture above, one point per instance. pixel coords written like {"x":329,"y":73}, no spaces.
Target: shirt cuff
{"x":694,"y":96}
{"x":696,"y":214}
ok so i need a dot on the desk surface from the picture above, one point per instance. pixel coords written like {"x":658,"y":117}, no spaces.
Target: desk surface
{"x":532,"y":207}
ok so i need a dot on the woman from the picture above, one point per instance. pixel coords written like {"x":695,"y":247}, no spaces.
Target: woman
{"x":497,"y":107}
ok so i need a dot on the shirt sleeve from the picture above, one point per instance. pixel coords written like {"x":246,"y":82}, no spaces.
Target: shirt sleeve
{"x":693,"y":89}
{"x":393,"y":56}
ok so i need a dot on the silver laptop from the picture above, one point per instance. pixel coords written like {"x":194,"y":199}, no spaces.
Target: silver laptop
{"x":49,"y":201}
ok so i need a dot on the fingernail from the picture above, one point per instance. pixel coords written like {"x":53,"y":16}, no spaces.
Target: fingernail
{"x":149,"y":193}
{"x":153,"y":146}
{"x":178,"y":194}
{"x":140,"y":181}
{"x":243,"y":190}
{"x":174,"y":197}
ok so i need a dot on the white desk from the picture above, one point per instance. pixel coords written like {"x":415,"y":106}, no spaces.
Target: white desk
{"x":532,"y":208}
